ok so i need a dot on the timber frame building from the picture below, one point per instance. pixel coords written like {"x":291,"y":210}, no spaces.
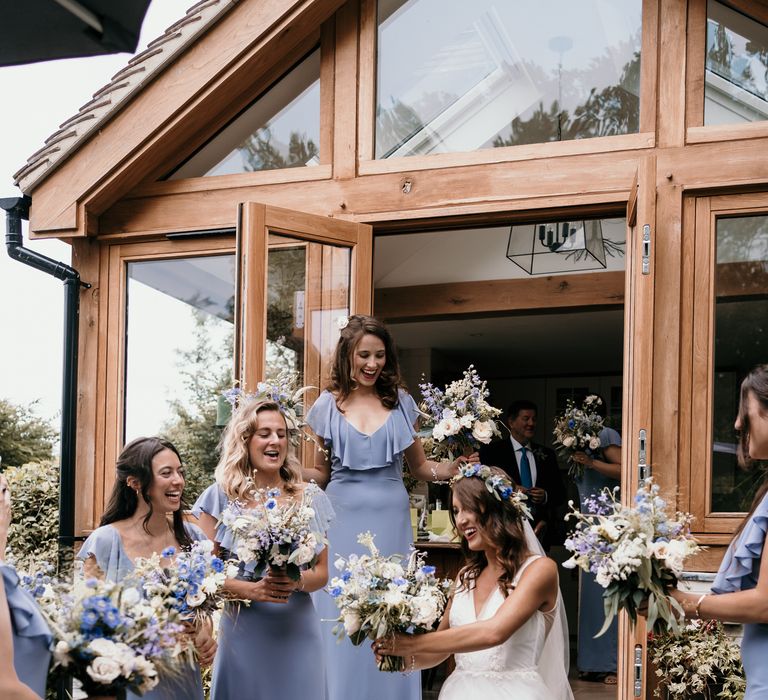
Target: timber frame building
{"x":672,"y":152}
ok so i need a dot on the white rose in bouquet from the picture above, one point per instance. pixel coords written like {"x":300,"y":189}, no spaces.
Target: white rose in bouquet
{"x":352,"y":621}
{"x":467,"y":420}
{"x":104,"y":670}
{"x":425,"y":610}
{"x":451,"y":425}
{"x":569,"y":441}
{"x":594,"y":443}
{"x":483,"y":431}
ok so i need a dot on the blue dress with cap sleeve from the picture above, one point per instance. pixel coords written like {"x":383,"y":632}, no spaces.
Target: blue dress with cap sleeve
{"x":739,"y":571}
{"x":268,"y":650}
{"x":367,"y":492}
{"x":596,"y":655}
{"x":105,"y":545}
{"x":31,"y":637}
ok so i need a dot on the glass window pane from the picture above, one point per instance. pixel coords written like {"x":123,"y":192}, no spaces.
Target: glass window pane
{"x":308,"y":290}
{"x":281,"y":129}
{"x":741,"y":342}
{"x":490,"y":73}
{"x":179,"y":351}
{"x":735,"y":87}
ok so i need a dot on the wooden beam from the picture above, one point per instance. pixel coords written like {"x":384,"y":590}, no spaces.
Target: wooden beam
{"x":430,"y":301}
{"x":165,"y":118}
{"x":672,"y":42}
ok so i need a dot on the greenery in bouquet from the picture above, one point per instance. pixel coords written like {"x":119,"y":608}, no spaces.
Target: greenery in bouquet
{"x":458,"y":418}
{"x":701,"y":661}
{"x":378,"y":595}
{"x":636,"y":553}
{"x":108,"y":635}
{"x":190,"y":582}
{"x":274,"y":534}
{"x":284,"y":390}
{"x":578,"y":429}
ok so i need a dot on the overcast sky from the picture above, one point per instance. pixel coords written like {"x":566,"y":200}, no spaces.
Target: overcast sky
{"x":36,"y":99}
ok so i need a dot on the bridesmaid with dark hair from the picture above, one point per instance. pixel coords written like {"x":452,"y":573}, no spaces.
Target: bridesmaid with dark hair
{"x":741,"y":585}
{"x":149,"y":485}
{"x":367,"y":421}
{"x":25,"y":639}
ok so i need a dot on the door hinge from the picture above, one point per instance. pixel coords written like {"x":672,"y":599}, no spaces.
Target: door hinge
{"x":643,"y":470}
{"x":638,"y":680}
{"x":646,"y":249}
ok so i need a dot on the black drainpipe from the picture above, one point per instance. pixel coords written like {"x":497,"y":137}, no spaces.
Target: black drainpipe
{"x":17,"y":208}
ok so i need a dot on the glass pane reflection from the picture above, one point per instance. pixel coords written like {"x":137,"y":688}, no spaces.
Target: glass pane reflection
{"x":179,"y":350}
{"x":489,"y":74}
{"x":281,"y":129}
{"x":741,"y":342}
{"x":735,"y":87}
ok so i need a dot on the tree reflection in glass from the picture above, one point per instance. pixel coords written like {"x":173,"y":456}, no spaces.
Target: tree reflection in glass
{"x":490,"y":74}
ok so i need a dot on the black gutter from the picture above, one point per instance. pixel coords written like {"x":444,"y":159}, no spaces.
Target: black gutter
{"x":17,"y":208}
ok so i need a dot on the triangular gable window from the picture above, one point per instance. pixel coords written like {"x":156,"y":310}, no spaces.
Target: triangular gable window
{"x":280,"y":129}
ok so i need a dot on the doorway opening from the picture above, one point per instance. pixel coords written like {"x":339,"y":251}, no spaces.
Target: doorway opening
{"x":525,"y":340}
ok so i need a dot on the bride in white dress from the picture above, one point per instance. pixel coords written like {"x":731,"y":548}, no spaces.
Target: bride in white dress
{"x":505,"y":622}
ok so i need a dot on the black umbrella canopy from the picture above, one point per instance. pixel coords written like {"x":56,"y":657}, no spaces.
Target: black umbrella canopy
{"x":44,"y":30}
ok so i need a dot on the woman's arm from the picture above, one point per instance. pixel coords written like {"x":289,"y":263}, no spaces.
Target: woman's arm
{"x":425,"y":469}
{"x":749,"y":607}
{"x":11,"y":688}
{"x":321,"y":471}
{"x":610,"y":467}
{"x":537,"y":589}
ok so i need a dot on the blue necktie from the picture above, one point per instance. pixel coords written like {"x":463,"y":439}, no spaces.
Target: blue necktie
{"x":525,"y":469}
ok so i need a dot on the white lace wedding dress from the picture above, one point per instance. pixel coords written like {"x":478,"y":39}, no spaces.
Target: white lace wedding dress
{"x":510,"y":671}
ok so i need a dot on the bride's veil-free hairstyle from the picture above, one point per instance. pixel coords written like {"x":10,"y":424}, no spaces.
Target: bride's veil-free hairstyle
{"x":555,"y":657}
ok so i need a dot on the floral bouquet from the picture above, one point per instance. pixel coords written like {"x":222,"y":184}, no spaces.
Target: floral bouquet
{"x":636,"y":553}
{"x":272,"y":534}
{"x":458,"y":418}
{"x":701,"y":661}
{"x":284,"y":390}
{"x":191,"y":583}
{"x":377,"y":595}
{"x":577,"y":429}
{"x":108,"y":635}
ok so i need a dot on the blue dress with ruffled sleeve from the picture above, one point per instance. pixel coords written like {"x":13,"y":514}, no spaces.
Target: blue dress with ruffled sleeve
{"x":596,"y":655}
{"x":268,"y":650}
{"x":367,"y":492}
{"x":106,"y":546}
{"x":31,"y":636}
{"x":739,"y":571}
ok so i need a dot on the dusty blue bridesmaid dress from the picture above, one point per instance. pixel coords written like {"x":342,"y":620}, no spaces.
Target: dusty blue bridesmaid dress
{"x":31,"y":636}
{"x":739,"y":571}
{"x":367,"y":492}
{"x":268,"y":650}
{"x":596,"y":655}
{"x":106,"y":546}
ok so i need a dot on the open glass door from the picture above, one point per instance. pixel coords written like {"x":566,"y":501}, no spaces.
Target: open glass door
{"x":297,"y":275}
{"x":638,"y":384}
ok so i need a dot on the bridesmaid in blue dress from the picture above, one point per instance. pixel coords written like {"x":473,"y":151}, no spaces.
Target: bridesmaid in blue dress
{"x":25,"y":639}
{"x":367,"y":422}
{"x":741,"y":585}
{"x":271,"y":647}
{"x":596,"y":658}
{"x":149,"y":485}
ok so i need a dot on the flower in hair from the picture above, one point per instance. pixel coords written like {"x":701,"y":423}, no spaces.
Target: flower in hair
{"x":497,"y":484}
{"x":282,"y":390}
{"x":342,"y":322}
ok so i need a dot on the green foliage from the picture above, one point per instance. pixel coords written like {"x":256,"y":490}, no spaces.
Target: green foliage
{"x":701,"y":662}
{"x":24,"y":437}
{"x":206,"y":372}
{"x":33,"y":534}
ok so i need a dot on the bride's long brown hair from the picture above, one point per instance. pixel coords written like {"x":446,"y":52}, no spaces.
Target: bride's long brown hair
{"x":501,"y":524}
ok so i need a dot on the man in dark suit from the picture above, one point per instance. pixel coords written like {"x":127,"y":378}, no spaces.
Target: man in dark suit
{"x":530,"y":465}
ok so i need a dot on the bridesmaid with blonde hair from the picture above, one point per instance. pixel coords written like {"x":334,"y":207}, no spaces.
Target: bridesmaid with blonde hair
{"x":279,"y":624}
